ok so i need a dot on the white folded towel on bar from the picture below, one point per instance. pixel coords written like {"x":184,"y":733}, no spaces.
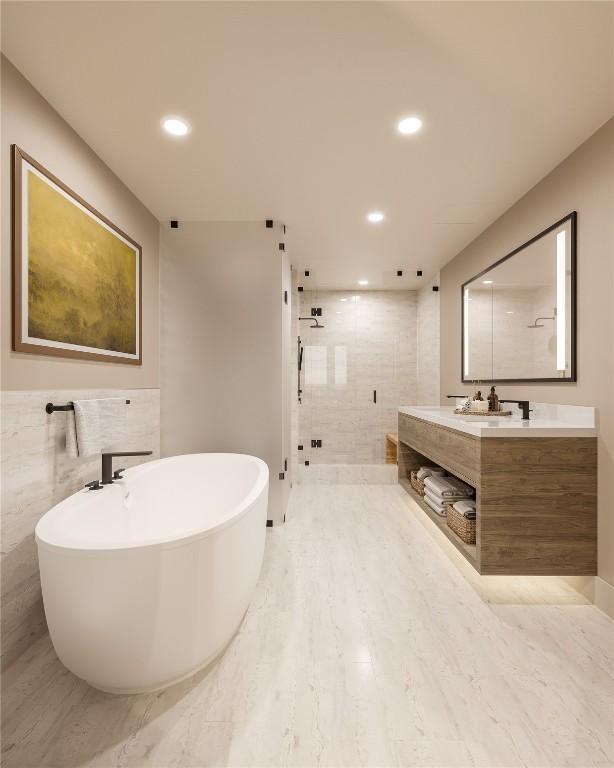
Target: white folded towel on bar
{"x":95,"y":426}
{"x":427,"y":471}
{"x":448,"y":487}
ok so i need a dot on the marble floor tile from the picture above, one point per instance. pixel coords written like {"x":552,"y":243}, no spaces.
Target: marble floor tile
{"x":364,"y":645}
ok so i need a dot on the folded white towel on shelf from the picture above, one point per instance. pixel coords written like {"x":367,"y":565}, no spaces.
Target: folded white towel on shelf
{"x":466,"y":508}
{"x":95,"y":426}
{"x":428,"y":471}
{"x":435,"y":505}
{"x":448,"y":487}
{"x":435,"y":498}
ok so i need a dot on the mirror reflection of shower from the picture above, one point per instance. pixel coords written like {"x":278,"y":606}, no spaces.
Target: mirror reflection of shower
{"x":537,"y":324}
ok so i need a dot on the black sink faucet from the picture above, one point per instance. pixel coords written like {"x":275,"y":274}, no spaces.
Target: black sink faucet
{"x":107,"y":464}
{"x":523,"y":405}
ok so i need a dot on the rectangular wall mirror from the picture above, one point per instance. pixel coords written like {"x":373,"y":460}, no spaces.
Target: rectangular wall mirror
{"x":519,"y":315}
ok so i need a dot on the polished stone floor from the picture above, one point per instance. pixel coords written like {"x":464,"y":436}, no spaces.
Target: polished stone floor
{"x":368,"y":642}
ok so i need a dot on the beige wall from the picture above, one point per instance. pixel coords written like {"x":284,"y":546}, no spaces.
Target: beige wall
{"x":427,"y":344}
{"x":583,"y":182}
{"x":30,"y":122}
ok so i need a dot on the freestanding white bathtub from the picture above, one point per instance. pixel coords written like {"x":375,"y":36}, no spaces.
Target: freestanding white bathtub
{"x":147,"y":580}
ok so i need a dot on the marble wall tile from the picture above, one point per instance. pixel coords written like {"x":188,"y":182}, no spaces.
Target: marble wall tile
{"x":37,"y":473}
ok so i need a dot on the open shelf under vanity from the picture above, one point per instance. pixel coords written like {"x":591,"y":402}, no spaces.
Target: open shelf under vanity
{"x":468,"y":550}
{"x":536,"y":497}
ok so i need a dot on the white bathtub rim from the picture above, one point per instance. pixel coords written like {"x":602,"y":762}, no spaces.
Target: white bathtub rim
{"x":166,"y":542}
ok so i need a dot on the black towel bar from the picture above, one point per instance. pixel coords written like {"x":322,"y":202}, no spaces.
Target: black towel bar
{"x":51,"y":408}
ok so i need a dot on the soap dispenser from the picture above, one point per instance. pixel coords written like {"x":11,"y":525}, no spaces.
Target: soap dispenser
{"x":493,"y":400}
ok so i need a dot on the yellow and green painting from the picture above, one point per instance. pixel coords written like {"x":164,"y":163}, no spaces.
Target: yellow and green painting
{"x":82,"y":279}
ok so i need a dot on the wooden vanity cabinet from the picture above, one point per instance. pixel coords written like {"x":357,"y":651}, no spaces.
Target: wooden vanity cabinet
{"x":536,"y":496}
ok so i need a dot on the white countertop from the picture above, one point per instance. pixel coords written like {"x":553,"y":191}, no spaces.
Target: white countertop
{"x":547,"y":420}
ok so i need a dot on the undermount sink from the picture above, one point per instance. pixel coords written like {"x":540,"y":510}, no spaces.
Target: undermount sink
{"x":483,"y":417}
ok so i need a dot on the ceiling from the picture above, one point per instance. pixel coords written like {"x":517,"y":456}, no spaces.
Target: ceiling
{"x":294,"y":108}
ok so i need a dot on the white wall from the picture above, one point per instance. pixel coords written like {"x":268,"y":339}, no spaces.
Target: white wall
{"x":222,"y":372}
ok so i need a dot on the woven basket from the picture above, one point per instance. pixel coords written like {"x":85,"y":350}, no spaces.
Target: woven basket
{"x":417,"y":485}
{"x":462,"y":527}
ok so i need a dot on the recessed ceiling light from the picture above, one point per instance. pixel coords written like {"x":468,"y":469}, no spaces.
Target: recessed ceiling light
{"x":509,"y":312}
{"x":355,"y":298}
{"x":409,"y":125}
{"x":363,"y":282}
{"x":488,"y":282}
{"x":342,"y":299}
{"x":338,"y":312}
{"x":375,"y":217}
{"x":175,"y":126}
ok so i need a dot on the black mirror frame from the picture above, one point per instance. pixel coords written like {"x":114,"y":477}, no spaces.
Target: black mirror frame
{"x":573,"y":377}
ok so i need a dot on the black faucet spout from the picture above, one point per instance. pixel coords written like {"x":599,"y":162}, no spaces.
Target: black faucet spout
{"x":523,"y":405}
{"x":107,"y":463}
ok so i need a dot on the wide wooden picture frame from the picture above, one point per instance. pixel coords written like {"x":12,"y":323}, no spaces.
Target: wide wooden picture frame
{"x":77,"y":278}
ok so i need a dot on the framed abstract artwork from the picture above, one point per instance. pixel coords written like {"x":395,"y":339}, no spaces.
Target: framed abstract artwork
{"x":76,"y":276}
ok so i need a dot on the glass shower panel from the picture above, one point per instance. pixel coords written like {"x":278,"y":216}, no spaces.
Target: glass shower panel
{"x":359,"y":368}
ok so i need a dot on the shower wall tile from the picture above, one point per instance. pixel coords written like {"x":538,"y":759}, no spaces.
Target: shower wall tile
{"x":37,"y":473}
